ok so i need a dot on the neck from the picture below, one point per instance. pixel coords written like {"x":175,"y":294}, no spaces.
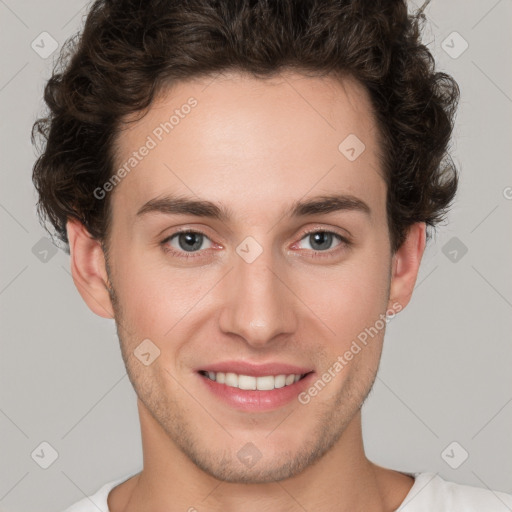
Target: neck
{"x":342,"y":480}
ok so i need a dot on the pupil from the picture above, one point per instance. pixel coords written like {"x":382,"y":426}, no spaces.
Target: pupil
{"x":320,"y":237}
{"x":190,"y":244}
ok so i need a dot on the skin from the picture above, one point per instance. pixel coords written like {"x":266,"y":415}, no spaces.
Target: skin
{"x":254,"y":146}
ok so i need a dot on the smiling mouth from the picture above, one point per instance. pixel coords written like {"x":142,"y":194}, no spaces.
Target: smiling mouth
{"x":249,"y":382}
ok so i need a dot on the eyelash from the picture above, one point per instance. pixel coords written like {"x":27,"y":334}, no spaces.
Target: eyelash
{"x":315,"y":254}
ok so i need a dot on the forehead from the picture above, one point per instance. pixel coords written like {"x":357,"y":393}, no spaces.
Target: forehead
{"x":247,"y":142}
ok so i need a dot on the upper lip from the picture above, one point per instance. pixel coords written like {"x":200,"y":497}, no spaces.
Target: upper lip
{"x":255,"y":370}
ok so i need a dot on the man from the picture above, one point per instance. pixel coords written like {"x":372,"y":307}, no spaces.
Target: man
{"x":246,"y":188}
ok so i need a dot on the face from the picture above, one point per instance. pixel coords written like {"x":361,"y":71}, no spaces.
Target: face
{"x":254,"y":278}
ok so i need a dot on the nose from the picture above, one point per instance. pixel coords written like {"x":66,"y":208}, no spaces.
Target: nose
{"x":258,"y":304}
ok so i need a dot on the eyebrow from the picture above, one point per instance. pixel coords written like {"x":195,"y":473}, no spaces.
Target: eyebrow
{"x":181,"y":205}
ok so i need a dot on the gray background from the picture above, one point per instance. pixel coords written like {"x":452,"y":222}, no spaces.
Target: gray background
{"x":445,"y":371}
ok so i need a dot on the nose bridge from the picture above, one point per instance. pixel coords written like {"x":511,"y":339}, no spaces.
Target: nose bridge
{"x":258,"y":305}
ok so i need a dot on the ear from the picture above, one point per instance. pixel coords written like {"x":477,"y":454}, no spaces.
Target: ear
{"x":405,"y":265}
{"x":88,"y":269}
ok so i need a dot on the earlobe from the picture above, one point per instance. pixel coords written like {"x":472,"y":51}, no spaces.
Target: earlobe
{"x":88,"y":269}
{"x":405,"y":265}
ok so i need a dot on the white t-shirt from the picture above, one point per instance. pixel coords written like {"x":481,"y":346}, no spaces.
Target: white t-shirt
{"x":429,"y":493}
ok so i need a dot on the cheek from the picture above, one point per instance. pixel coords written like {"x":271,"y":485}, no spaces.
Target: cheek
{"x":155,"y":298}
{"x":352,"y":298}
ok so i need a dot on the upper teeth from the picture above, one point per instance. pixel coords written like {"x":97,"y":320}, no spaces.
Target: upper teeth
{"x":264,"y":383}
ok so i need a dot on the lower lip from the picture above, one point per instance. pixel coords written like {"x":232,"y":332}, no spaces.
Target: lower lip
{"x":254,"y":400}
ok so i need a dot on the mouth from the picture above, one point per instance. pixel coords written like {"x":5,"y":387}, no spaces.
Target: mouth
{"x":254,"y":387}
{"x":253,"y":383}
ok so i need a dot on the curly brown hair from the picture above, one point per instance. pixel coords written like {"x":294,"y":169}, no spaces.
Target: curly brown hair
{"x":129,"y":50}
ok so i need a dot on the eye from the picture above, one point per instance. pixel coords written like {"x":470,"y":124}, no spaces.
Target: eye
{"x":189,"y":244}
{"x":185,"y":242}
{"x":322,"y":240}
